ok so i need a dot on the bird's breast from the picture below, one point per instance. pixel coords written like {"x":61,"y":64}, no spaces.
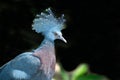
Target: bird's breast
{"x":48,"y":61}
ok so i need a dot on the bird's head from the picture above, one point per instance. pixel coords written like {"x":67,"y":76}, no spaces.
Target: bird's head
{"x":50,"y":26}
{"x":55,"y":34}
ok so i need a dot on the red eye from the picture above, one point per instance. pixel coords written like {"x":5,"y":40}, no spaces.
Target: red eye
{"x":55,"y":34}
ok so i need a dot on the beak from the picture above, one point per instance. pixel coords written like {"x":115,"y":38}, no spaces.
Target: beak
{"x":63,"y":39}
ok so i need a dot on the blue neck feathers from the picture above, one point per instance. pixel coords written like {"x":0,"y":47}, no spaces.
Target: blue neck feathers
{"x":46,"y":43}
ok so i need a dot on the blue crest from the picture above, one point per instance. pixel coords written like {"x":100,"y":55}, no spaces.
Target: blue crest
{"x":46,"y":21}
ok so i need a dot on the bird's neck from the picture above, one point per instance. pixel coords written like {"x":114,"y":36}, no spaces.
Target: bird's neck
{"x":46,"y":47}
{"x":46,"y":44}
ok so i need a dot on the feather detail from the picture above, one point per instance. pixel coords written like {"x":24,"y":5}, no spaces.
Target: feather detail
{"x":46,"y":21}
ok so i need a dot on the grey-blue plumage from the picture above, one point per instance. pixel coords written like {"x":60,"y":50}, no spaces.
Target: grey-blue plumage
{"x":20,"y":68}
{"x":40,"y":63}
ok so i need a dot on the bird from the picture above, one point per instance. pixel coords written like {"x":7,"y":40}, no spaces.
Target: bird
{"x":38,"y":64}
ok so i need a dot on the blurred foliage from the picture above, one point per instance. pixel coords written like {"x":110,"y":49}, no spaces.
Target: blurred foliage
{"x":82,"y":72}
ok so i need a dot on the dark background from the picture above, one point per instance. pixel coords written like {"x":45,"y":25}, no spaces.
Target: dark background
{"x":93,"y":32}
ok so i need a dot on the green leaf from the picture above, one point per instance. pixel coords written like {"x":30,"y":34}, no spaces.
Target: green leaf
{"x":80,"y":71}
{"x":64,"y":75}
{"x":92,"y":77}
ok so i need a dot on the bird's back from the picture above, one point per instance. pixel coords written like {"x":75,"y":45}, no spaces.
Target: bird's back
{"x":22,"y":67}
